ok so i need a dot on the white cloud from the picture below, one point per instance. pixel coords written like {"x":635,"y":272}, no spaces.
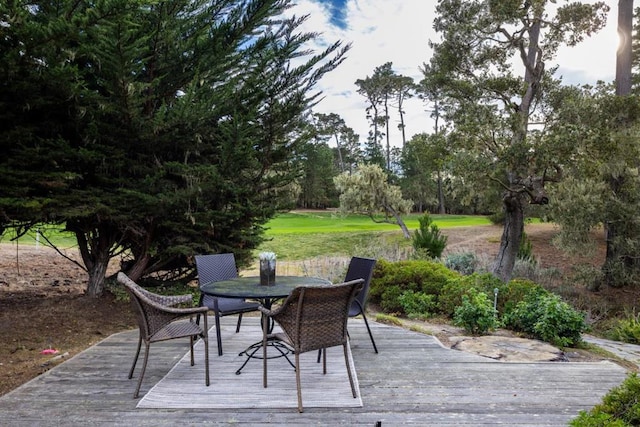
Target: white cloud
{"x":383,"y":31}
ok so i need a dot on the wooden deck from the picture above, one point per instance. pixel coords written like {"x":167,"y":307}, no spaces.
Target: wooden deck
{"x":412,"y":381}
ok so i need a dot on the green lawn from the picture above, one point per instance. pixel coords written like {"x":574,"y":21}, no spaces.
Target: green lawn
{"x":330,"y":222}
{"x":305,"y":235}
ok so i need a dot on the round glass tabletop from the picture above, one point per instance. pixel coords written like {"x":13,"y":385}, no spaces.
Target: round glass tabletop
{"x":249,"y":287}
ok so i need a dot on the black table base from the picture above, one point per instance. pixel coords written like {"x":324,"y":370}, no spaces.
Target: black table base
{"x":252,"y":353}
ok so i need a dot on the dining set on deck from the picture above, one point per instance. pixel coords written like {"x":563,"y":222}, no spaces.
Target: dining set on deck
{"x":298,"y":314}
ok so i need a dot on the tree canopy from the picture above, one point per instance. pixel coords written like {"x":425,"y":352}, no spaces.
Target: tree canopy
{"x":490,"y":107}
{"x":368,"y":192}
{"x":157,"y":129}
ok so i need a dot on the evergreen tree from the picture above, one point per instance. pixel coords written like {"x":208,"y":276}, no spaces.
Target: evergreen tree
{"x":158,"y":129}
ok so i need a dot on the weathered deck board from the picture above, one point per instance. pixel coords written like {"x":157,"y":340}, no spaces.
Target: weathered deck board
{"x":412,"y":381}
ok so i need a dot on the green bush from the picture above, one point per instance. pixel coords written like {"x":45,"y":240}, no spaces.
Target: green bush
{"x":627,"y":330}
{"x":418,"y":305}
{"x":391,"y":279}
{"x":464,"y":263}
{"x":525,"y":249}
{"x":427,"y":238}
{"x":619,"y":408}
{"x":510,"y":294}
{"x":545,"y":316}
{"x":476,"y":314}
{"x":457,"y":287}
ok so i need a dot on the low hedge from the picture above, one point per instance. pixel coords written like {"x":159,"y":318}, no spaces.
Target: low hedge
{"x":421,"y":288}
{"x":391,"y":279}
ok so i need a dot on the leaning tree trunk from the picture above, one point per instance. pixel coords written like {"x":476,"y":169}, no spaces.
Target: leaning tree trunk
{"x":399,"y":221}
{"x":514,"y":198}
{"x":511,"y":236}
{"x":96,"y":254}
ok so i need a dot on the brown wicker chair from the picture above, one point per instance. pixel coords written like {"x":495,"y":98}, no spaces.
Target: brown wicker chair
{"x":157,"y":316}
{"x":312,"y":318}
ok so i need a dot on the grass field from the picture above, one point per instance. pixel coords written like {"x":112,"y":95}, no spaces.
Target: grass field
{"x":307,"y":222}
{"x":299,"y":235}
{"x":304,"y":235}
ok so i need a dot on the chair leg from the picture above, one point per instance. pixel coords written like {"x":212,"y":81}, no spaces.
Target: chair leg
{"x":346,"y":360}
{"x":369,"y":330}
{"x":205,"y":338}
{"x":298,"y":382}
{"x":265,"y":324}
{"x":218,"y":337}
{"x":239,"y":321}
{"x":144,"y":368}
{"x":200,"y":300}
{"x":324,"y":361}
{"x":135,"y":360}
{"x":191,"y":349}
{"x":320,"y":353}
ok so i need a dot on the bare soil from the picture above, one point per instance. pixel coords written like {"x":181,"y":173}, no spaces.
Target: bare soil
{"x":43,"y":307}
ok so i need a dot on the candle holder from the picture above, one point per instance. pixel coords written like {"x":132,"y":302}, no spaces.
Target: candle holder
{"x":267,"y":269}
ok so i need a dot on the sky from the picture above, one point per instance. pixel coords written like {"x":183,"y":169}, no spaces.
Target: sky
{"x":398,"y":31}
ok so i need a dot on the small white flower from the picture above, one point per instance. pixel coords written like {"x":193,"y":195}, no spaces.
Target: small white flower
{"x":270,"y":256}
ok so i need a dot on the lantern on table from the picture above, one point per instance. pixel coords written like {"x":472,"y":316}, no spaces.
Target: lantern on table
{"x":267,"y":268}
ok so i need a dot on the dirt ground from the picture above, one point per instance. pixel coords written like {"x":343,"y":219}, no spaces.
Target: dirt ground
{"x":43,"y":310}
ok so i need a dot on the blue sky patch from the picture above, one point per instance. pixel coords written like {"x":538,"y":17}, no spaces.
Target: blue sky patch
{"x":337,"y":11}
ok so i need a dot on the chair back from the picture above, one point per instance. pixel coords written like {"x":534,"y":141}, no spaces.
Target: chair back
{"x":214,"y":268}
{"x":316,"y":317}
{"x":360,"y":268}
{"x":150,"y":308}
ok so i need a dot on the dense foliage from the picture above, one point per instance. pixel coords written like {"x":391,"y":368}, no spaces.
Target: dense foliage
{"x":159,"y":129}
{"x":619,"y":408}
{"x":477,"y":302}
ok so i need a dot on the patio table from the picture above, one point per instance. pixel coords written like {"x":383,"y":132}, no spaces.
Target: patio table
{"x":250,"y":288}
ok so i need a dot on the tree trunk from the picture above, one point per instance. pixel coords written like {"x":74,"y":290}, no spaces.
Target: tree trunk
{"x":400,"y":222}
{"x":613,"y":255}
{"x":386,"y":121}
{"x":513,"y":201}
{"x":335,"y":135}
{"x":511,"y":236}
{"x":95,"y":246}
{"x":624,"y":54}
{"x":441,"y":208}
{"x":95,"y":287}
{"x":96,"y":255}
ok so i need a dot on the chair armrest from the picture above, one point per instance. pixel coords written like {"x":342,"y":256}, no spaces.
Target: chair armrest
{"x":166,"y":300}
{"x":162,"y":307}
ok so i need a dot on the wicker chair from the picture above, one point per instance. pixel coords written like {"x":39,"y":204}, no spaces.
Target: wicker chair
{"x":312,"y":318}
{"x":157,"y":319}
{"x":361,"y":268}
{"x":215,"y":268}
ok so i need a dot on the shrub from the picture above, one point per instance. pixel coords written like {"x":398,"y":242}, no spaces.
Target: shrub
{"x":418,"y":305}
{"x":510,"y":294}
{"x":620,"y":407}
{"x":392,"y":279}
{"x":457,"y":287}
{"x":476,"y":314}
{"x":427,"y":238}
{"x":627,"y":330}
{"x":545,"y":316}
{"x":525,"y":250}
{"x":464,"y":263}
